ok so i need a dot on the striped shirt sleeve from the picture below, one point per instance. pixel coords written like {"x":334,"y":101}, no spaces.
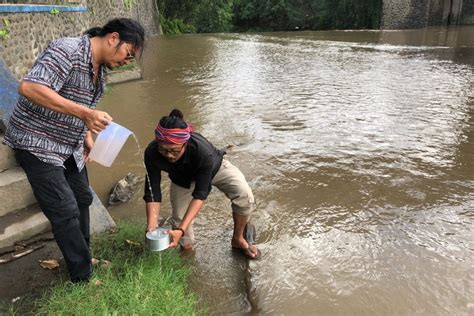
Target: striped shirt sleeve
{"x":51,"y":69}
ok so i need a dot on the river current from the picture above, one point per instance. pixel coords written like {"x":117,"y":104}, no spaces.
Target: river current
{"x":359,"y":147}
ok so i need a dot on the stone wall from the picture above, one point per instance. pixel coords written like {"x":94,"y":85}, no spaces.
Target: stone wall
{"x":144,"y":11}
{"x":395,"y":13}
{"x":467,"y":14}
{"x":404,"y":14}
{"x":30,"y":33}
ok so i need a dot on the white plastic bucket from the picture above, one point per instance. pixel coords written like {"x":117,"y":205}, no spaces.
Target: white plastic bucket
{"x":108,"y":144}
{"x":158,"y":239}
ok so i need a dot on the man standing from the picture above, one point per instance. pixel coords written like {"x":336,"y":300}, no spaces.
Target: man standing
{"x":51,"y":128}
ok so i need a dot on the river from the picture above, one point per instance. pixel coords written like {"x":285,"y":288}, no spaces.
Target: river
{"x":359,"y":146}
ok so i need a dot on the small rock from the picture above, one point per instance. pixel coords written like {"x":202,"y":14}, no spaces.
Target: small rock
{"x":123,"y":190}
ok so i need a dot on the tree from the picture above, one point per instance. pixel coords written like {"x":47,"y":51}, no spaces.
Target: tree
{"x":269,"y":15}
{"x":215,"y":16}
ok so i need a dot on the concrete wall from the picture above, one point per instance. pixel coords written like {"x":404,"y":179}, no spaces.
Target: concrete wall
{"x":404,"y":14}
{"x":31,"y":32}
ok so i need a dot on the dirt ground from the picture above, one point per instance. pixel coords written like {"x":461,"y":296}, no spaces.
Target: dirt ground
{"x":23,"y":279}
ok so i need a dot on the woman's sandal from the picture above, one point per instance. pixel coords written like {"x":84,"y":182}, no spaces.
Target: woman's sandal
{"x":249,"y":236}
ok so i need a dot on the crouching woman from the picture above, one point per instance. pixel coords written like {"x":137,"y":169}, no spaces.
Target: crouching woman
{"x":193,"y":165}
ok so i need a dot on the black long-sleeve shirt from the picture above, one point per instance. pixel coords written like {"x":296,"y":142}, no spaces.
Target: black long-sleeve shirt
{"x":200,"y":163}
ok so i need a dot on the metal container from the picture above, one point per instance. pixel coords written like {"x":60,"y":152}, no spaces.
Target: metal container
{"x":158,"y":239}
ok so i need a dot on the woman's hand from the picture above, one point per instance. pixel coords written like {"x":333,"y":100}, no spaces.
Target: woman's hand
{"x":176,"y":235}
{"x":152,"y":215}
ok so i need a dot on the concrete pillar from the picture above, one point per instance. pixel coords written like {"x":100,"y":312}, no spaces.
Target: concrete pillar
{"x":403,"y":14}
{"x":456,"y":10}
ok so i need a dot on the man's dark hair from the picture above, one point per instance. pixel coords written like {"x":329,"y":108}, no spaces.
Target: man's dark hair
{"x":130,"y":31}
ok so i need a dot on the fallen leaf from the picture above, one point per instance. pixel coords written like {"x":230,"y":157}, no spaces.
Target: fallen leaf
{"x":95,"y":261}
{"x":49,"y":264}
{"x":133,"y":243}
{"x":105,"y":263}
{"x":98,"y":282}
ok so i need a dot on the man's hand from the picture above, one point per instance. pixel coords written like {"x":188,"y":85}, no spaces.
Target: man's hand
{"x":46,"y":97}
{"x":96,"y":120}
{"x":175,"y":235}
{"x":88,"y":144}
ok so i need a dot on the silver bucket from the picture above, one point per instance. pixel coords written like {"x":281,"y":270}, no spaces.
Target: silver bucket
{"x":158,"y":239}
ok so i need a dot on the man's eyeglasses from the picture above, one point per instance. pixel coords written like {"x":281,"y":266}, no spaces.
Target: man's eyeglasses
{"x":130,"y":56}
{"x":170,"y":151}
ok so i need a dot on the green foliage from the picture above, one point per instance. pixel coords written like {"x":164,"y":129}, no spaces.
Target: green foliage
{"x":5,"y":30}
{"x":215,"y":16}
{"x":286,"y":15}
{"x":131,"y":65}
{"x":267,"y":15}
{"x":8,"y":309}
{"x":4,"y":34}
{"x":54,"y":11}
{"x":108,"y":90}
{"x":175,"y":26}
{"x":138,"y":282}
{"x":129,"y":4}
{"x":189,"y":16}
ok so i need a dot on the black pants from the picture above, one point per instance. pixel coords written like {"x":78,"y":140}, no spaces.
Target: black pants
{"x":64,"y":197}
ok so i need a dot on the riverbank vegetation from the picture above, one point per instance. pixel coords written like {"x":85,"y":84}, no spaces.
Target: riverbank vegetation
{"x":129,"y":280}
{"x":205,"y":16}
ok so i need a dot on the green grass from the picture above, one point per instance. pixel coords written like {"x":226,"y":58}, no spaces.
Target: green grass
{"x":138,"y":282}
{"x":108,"y":90}
{"x":125,"y":67}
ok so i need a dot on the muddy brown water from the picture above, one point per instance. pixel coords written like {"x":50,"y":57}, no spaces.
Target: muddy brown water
{"x":359,"y":147}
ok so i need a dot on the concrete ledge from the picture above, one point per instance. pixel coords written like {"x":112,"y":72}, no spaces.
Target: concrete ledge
{"x":15,"y":191}
{"x":26,"y":223}
{"x":21,"y":225}
{"x":15,"y":8}
{"x":100,"y":218}
{"x":7,"y":159}
{"x":124,"y":75}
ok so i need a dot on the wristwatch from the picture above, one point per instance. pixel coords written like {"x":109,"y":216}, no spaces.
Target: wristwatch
{"x":182,"y":230}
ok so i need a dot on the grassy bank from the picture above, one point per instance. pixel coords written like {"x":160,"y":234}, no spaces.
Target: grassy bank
{"x":135,"y":282}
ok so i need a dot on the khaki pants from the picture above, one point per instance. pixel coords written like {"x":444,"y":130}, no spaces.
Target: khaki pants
{"x":230,"y":180}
